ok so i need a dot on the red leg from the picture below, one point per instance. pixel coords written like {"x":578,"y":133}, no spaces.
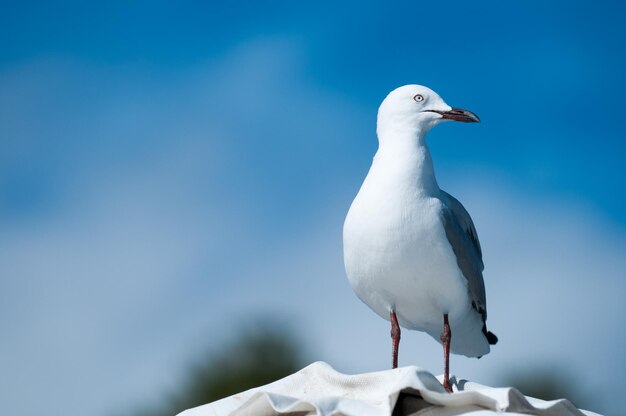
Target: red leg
{"x":446,"y":336}
{"x":395,"y":339}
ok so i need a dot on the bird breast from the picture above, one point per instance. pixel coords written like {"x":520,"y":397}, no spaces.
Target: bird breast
{"x":397,"y":257}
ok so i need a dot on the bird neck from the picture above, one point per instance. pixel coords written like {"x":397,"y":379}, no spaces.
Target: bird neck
{"x":407,"y":156}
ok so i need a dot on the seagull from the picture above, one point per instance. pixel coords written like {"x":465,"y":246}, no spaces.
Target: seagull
{"x":411,"y":251}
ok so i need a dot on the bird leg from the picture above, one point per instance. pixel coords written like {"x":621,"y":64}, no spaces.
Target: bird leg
{"x":446,"y":336}
{"x":395,"y":339}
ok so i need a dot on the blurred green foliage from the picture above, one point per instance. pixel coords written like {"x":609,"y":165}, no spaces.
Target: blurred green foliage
{"x":261,"y":355}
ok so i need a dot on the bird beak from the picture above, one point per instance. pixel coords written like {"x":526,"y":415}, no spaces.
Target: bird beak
{"x":458,"y":115}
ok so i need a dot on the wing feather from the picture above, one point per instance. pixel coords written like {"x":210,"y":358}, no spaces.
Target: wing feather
{"x":463,"y":238}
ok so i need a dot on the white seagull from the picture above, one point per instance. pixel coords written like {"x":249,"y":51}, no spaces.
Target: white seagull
{"x":411,"y":251}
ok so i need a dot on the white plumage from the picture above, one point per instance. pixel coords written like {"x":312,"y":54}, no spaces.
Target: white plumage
{"x":409,"y":247}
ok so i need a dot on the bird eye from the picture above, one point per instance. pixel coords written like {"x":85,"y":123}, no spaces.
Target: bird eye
{"x":418,"y":97}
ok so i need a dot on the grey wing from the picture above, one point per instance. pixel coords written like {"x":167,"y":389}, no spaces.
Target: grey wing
{"x":463,"y":238}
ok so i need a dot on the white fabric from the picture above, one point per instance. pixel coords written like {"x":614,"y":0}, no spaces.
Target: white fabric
{"x":320,"y":390}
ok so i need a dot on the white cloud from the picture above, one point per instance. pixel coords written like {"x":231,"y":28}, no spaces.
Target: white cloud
{"x":157,"y":203}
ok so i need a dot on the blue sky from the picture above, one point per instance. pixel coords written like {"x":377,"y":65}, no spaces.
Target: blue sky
{"x":164,"y":164}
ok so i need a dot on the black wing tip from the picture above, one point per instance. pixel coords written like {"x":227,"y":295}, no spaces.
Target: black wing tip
{"x":492,"y":339}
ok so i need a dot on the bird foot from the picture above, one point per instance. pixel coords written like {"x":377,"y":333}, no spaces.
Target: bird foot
{"x":447,"y":386}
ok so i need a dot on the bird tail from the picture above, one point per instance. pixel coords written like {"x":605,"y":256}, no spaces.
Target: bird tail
{"x":492,"y":339}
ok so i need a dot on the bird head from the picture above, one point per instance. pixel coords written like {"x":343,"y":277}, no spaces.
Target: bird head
{"x":415,"y":109}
